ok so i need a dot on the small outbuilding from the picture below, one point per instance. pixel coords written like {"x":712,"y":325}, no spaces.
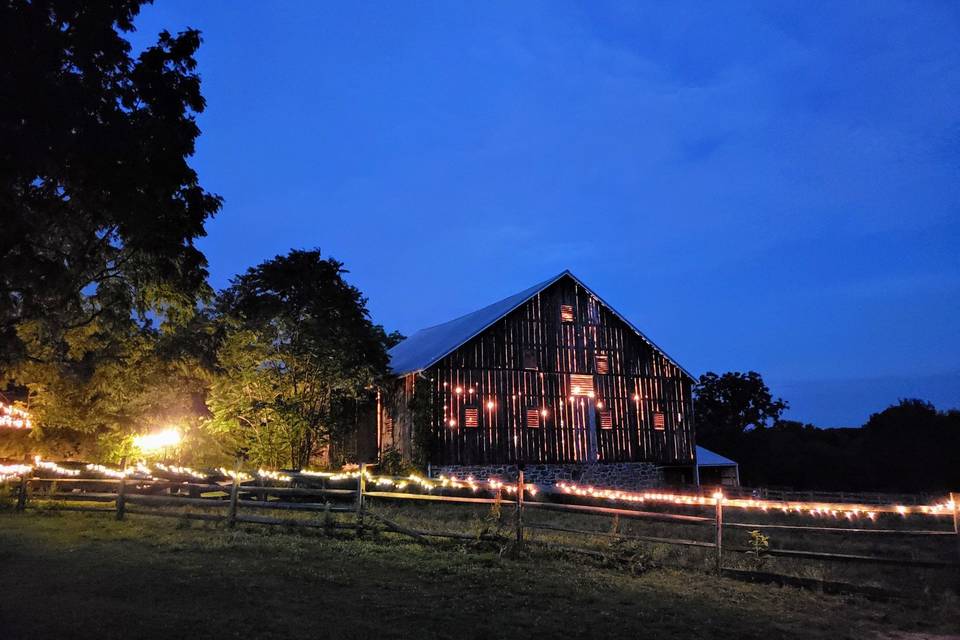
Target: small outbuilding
{"x":714,"y":470}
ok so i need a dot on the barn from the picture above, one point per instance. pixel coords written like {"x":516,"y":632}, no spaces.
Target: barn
{"x":551,"y":378}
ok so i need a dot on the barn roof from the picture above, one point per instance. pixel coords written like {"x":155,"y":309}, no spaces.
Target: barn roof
{"x":428,"y":346}
{"x":707,"y":458}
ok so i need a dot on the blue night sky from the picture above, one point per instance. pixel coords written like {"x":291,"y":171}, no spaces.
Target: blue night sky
{"x":773,"y":187}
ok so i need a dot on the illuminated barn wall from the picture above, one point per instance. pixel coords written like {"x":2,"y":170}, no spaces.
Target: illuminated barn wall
{"x":559,"y":379}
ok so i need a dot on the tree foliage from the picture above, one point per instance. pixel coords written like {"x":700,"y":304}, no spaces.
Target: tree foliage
{"x":124,"y":383}
{"x":726,"y":406}
{"x":300,"y":350}
{"x":100,"y":207}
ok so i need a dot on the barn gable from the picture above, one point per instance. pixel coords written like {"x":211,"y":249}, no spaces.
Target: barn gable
{"x":428,"y":346}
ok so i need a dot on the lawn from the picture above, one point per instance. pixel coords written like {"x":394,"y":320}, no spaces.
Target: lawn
{"x":74,"y":575}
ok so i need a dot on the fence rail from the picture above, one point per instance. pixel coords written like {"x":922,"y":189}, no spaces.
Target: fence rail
{"x":231,"y":501}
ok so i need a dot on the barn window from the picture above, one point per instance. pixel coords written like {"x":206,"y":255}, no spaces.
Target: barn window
{"x":566,"y":313}
{"x":530,"y":359}
{"x":606,"y":419}
{"x":581,"y":385}
{"x":471,"y":416}
{"x":603,"y":363}
{"x":659,"y":422}
{"x":533,"y":418}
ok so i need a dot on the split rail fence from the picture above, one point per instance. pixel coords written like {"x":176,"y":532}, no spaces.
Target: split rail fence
{"x":257,"y":502}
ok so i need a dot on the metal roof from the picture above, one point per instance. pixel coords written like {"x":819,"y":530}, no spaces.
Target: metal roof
{"x":707,"y":458}
{"x":428,"y":346}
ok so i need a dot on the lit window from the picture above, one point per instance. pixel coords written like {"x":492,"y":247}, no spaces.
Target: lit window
{"x":606,"y":419}
{"x":533,"y":418}
{"x":566,"y":313}
{"x":659,"y":423}
{"x":471,"y":417}
{"x":603,"y":364}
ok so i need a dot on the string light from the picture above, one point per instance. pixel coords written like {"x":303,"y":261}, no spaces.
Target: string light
{"x":181,"y":471}
{"x":273,"y":475}
{"x":813,"y":509}
{"x":107,"y":471}
{"x":9,"y":471}
{"x":13,"y":417}
{"x":235,"y":475}
{"x":834,"y":510}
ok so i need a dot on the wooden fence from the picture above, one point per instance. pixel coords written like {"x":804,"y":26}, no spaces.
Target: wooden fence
{"x":858,"y":497}
{"x":257,"y":502}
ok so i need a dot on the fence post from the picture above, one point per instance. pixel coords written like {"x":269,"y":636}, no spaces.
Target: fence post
{"x":718,"y":498}
{"x":234,"y":493}
{"x":22,"y":492}
{"x":122,"y":491}
{"x":361,"y":487}
{"x":956,"y":518}
{"x":519,"y":504}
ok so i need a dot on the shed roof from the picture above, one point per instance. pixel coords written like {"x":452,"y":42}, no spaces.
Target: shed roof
{"x":707,"y":458}
{"x":428,"y":346}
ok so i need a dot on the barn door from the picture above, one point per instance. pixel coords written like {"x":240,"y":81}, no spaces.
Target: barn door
{"x":584,"y":416}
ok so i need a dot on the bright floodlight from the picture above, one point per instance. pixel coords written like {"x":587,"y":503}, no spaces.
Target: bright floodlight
{"x":159,"y":440}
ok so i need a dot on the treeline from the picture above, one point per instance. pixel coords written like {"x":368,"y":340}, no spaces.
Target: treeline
{"x":907,"y":447}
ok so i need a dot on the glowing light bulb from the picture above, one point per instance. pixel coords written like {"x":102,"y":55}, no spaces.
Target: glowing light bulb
{"x":490,"y":404}
{"x":155,"y":441}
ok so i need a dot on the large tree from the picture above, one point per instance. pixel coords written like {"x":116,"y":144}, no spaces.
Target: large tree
{"x":728,"y":405}
{"x":300,"y":349}
{"x":99,"y":206}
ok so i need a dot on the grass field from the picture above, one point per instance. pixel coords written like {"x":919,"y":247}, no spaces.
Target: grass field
{"x":73,"y":575}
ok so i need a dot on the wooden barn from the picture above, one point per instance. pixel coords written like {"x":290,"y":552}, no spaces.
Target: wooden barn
{"x":552,"y":378}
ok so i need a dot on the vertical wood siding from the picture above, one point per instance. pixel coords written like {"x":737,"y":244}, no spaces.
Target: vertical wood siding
{"x":639,"y":382}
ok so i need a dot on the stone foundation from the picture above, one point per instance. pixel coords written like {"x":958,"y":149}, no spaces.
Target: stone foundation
{"x":615,"y":475}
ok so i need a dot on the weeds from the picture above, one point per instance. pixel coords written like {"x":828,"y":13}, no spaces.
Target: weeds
{"x":758,"y":545}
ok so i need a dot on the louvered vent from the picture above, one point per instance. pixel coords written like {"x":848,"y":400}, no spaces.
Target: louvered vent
{"x":533,"y":418}
{"x":659,"y":423}
{"x":581,"y":385}
{"x":471,"y":417}
{"x":566,"y":313}
{"x":603,"y":364}
{"x":606,"y":419}
{"x":529,"y":359}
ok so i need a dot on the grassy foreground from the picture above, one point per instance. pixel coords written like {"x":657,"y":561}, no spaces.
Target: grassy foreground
{"x":75,"y":575}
